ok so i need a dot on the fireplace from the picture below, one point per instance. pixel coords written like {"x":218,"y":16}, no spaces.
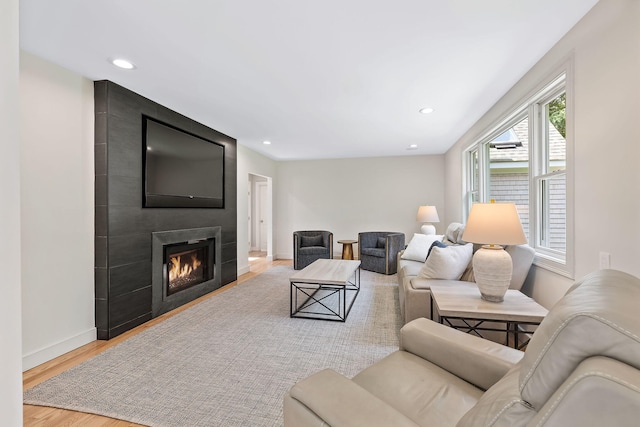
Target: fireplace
{"x":186,"y":264}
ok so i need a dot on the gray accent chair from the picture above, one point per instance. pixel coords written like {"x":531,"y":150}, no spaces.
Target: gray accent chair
{"x":309,"y":246}
{"x":378,"y":251}
{"x":581,"y":368}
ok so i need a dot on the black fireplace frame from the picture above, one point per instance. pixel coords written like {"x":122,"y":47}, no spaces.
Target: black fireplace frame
{"x":161,"y":302}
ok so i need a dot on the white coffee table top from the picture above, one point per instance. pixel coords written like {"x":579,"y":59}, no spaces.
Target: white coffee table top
{"x":463,"y":300}
{"x":326,"y":271}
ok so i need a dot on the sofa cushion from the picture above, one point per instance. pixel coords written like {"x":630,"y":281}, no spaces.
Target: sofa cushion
{"x":306,"y":241}
{"x":381,"y":242}
{"x":410,"y":268}
{"x":376,"y":252}
{"x":419,"y":246}
{"x":521,"y":257}
{"x":501,"y":405}
{"x":447,"y":263}
{"x":399,"y":379}
{"x":422,"y":284}
{"x":328,"y":398}
{"x":313,"y":250}
{"x":469,"y":275}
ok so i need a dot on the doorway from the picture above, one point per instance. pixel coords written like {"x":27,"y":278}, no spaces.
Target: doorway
{"x":260,"y":219}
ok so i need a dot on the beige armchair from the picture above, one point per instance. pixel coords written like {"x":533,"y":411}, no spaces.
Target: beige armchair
{"x":581,"y":368}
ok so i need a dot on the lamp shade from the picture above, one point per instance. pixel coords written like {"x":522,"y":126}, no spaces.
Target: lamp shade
{"x":427,"y":214}
{"x":494,"y":224}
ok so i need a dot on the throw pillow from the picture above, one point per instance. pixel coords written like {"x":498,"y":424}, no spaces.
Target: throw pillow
{"x":306,"y":241}
{"x":419,"y":246}
{"x":454,"y":233}
{"x":438,"y":244}
{"x":447,"y":263}
{"x":381,"y":243}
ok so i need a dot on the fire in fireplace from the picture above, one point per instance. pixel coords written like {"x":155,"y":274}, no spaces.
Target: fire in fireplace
{"x":188,"y":264}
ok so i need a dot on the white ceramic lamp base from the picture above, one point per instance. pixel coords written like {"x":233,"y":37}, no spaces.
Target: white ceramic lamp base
{"x":428,"y":229}
{"x":492,"y":268}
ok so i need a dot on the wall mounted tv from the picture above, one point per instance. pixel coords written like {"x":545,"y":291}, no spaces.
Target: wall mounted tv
{"x":180,"y":170}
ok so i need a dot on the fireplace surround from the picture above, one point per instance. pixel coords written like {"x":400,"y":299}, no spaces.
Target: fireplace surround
{"x":124,"y":229}
{"x":163,"y":300}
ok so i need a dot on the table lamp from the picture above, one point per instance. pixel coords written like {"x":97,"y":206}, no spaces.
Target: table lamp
{"x":427,"y":214}
{"x":493,"y":224}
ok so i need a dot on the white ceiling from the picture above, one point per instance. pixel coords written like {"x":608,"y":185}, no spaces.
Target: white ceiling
{"x":318,"y":78}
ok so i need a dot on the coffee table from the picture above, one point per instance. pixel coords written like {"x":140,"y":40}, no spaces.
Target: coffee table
{"x":325,"y":289}
{"x":462,"y":302}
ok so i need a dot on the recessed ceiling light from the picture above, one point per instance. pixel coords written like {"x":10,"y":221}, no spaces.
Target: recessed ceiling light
{"x":412,"y":147}
{"x":266,"y":142}
{"x":123,"y":63}
{"x":426,"y":110}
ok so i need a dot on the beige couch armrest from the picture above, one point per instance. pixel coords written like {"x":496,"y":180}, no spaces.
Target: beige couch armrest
{"x":328,"y":398}
{"x":475,"y":360}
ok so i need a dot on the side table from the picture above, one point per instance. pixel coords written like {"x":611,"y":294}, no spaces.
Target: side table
{"x":347,"y":248}
{"x":462,"y":302}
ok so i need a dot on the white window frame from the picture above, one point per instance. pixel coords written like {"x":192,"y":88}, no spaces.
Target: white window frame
{"x":539,"y":172}
{"x":560,"y":81}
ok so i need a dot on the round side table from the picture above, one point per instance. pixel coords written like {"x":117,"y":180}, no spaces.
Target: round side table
{"x":347,"y":248}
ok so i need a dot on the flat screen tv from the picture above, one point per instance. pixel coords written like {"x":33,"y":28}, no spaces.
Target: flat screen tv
{"x":180,"y":170}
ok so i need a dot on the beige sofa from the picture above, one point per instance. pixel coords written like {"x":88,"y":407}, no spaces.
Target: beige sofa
{"x":414,"y":292}
{"x":581,"y":368}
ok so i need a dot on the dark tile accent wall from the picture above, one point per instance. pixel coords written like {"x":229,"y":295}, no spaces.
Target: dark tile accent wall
{"x":123,"y":227}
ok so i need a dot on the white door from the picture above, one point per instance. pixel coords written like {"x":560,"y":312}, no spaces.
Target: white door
{"x":249,"y":204}
{"x":262,"y":212}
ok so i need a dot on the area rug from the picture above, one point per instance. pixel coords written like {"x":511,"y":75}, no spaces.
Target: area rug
{"x":229,"y":360}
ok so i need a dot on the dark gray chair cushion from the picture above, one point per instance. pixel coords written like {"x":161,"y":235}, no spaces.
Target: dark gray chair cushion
{"x":311,"y":245}
{"x":376,"y":252}
{"x":306,"y":241}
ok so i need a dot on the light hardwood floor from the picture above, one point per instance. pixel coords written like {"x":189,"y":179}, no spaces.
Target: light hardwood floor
{"x":45,"y":416}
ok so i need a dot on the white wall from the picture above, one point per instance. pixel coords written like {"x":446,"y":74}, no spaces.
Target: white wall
{"x":347,"y":196}
{"x":251,"y":162}
{"x":605,"y":46}
{"x":10,"y":318}
{"x":56,"y":124}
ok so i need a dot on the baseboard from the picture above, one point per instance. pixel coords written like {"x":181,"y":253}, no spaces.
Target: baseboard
{"x":243,"y":270}
{"x":43,"y":355}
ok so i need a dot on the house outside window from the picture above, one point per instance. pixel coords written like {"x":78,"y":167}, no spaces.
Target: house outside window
{"x":524,"y":160}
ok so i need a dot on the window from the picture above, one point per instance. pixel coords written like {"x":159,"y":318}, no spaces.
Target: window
{"x":473,"y":185}
{"x":551,"y":176}
{"x":524,"y":160}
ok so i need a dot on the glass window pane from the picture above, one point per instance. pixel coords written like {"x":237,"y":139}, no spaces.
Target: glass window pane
{"x":553,"y":216}
{"x":555,"y":135}
{"x":509,"y":169}
{"x":475,"y":172}
{"x":473,"y":184}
